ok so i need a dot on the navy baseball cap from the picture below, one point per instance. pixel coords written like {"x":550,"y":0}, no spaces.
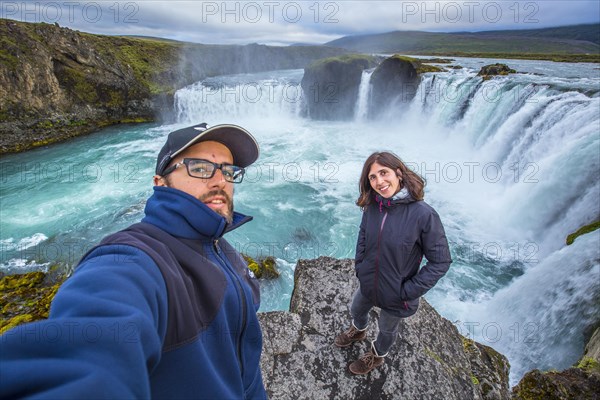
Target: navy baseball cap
{"x":239,"y":141}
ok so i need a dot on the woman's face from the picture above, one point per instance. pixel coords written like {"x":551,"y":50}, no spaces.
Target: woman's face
{"x":384,"y":180}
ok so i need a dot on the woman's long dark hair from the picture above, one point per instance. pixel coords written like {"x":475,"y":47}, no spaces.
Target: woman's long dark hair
{"x":410,"y":180}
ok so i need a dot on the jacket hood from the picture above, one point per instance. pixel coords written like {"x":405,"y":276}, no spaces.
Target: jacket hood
{"x":402,"y":197}
{"x":182,"y":215}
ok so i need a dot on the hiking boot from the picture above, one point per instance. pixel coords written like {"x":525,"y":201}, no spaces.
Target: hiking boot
{"x":366,"y":363}
{"x":350,"y":336}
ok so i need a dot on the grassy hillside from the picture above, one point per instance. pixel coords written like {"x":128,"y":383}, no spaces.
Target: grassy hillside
{"x":587,"y":33}
{"x":574,"y":43}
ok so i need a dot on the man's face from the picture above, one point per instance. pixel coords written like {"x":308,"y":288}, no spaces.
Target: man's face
{"x":215,"y":192}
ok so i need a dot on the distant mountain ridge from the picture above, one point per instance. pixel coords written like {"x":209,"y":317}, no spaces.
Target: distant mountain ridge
{"x":575,"y":39}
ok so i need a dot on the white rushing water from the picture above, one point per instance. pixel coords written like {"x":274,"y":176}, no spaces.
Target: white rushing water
{"x":512,"y":167}
{"x":364,"y":92}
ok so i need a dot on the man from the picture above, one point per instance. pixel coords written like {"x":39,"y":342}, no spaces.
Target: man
{"x":165,"y":308}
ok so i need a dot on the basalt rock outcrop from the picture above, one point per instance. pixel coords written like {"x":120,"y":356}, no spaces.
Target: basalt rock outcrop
{"x":56,"y":83}
{"x":430,"y":359}
{"x":330,"y":86}
{"x":488,"y":71}
{"x":395,"y":81}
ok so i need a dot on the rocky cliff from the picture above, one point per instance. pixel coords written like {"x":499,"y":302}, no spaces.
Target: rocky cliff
{"x":430,"y":359}
{"x":330,"y":86}
{"x":56,"y":83}
{"x":395,"y":81}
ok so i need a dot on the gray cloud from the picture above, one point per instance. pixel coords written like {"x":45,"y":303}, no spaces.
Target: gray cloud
{"x":285,"y":22}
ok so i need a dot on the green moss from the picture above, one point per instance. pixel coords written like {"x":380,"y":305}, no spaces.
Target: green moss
{"x":11,"y":61}
{"x":253,"y":266}
{"x":115,"y":98}
{"x":568,"y":384}
{"x":468,"y":344}
{"x":26,"y":298}
{"x":488,"y":71}
{"x":345,"y":59}
{"x":452,"y":369}
{"x":269,"y":266}
{"x":418,"y":64}
{"x":263,"y":269}
{"x":11,"y":282}
{"x":46,"y":124}
{"x":474,"y":380}
{"x":10,"y":49}
{"x":77,"y":82}
{"x":43,"y":142}
{"x":434,"y":356}
{"x":582,"y":231}
{"x":589,"y":365}
{"x":147,"y":58}
{"x":77,"y":122}
{"x":5,"y":325}
{"x":423,"y":68}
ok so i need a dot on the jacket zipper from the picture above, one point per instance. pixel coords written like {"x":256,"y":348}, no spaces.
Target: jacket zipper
{"x":241,"y":293}
{"x":376,"y":281}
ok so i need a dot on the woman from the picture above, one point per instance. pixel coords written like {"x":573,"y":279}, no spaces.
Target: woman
{"x":397,"y":229}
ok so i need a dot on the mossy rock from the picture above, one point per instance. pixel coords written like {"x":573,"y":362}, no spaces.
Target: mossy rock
{"x":582,"y":231}
{"x":396,"y":81}
{"x":573,"y":383}
{"x":421,"y":66}
{"x":488,"y":71}
{"x":26,"y":297}
{"x":589,"y":365}
{"x":331,"y":85}
{"x":262,"y":269}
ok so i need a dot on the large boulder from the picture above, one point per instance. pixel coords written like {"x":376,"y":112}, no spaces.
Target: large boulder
{"x":488,"y":71}
{"x":430,"y":359}
{"x":330,"y":86}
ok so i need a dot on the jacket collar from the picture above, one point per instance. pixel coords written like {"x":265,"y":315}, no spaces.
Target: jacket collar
{"x":182,"y":215}
{"x":402,"y":197}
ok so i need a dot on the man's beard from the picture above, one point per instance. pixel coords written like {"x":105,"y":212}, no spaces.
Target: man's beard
{"x":227,"y":213}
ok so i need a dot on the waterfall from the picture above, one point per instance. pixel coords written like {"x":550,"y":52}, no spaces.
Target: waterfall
{"x":539,"y":319}
{"x":540,"y":140}
{"x":512,"y":166}
{"x":364,"y":91}
{"x":255,"y":96}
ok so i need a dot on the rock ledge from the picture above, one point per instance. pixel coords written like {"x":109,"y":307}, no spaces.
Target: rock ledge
{"x":430,"y":359}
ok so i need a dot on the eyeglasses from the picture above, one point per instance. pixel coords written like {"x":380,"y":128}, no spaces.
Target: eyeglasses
{"x":204,"y":169}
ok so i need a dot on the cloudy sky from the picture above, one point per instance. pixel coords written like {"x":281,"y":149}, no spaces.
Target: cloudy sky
{"x":287,"y":22}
